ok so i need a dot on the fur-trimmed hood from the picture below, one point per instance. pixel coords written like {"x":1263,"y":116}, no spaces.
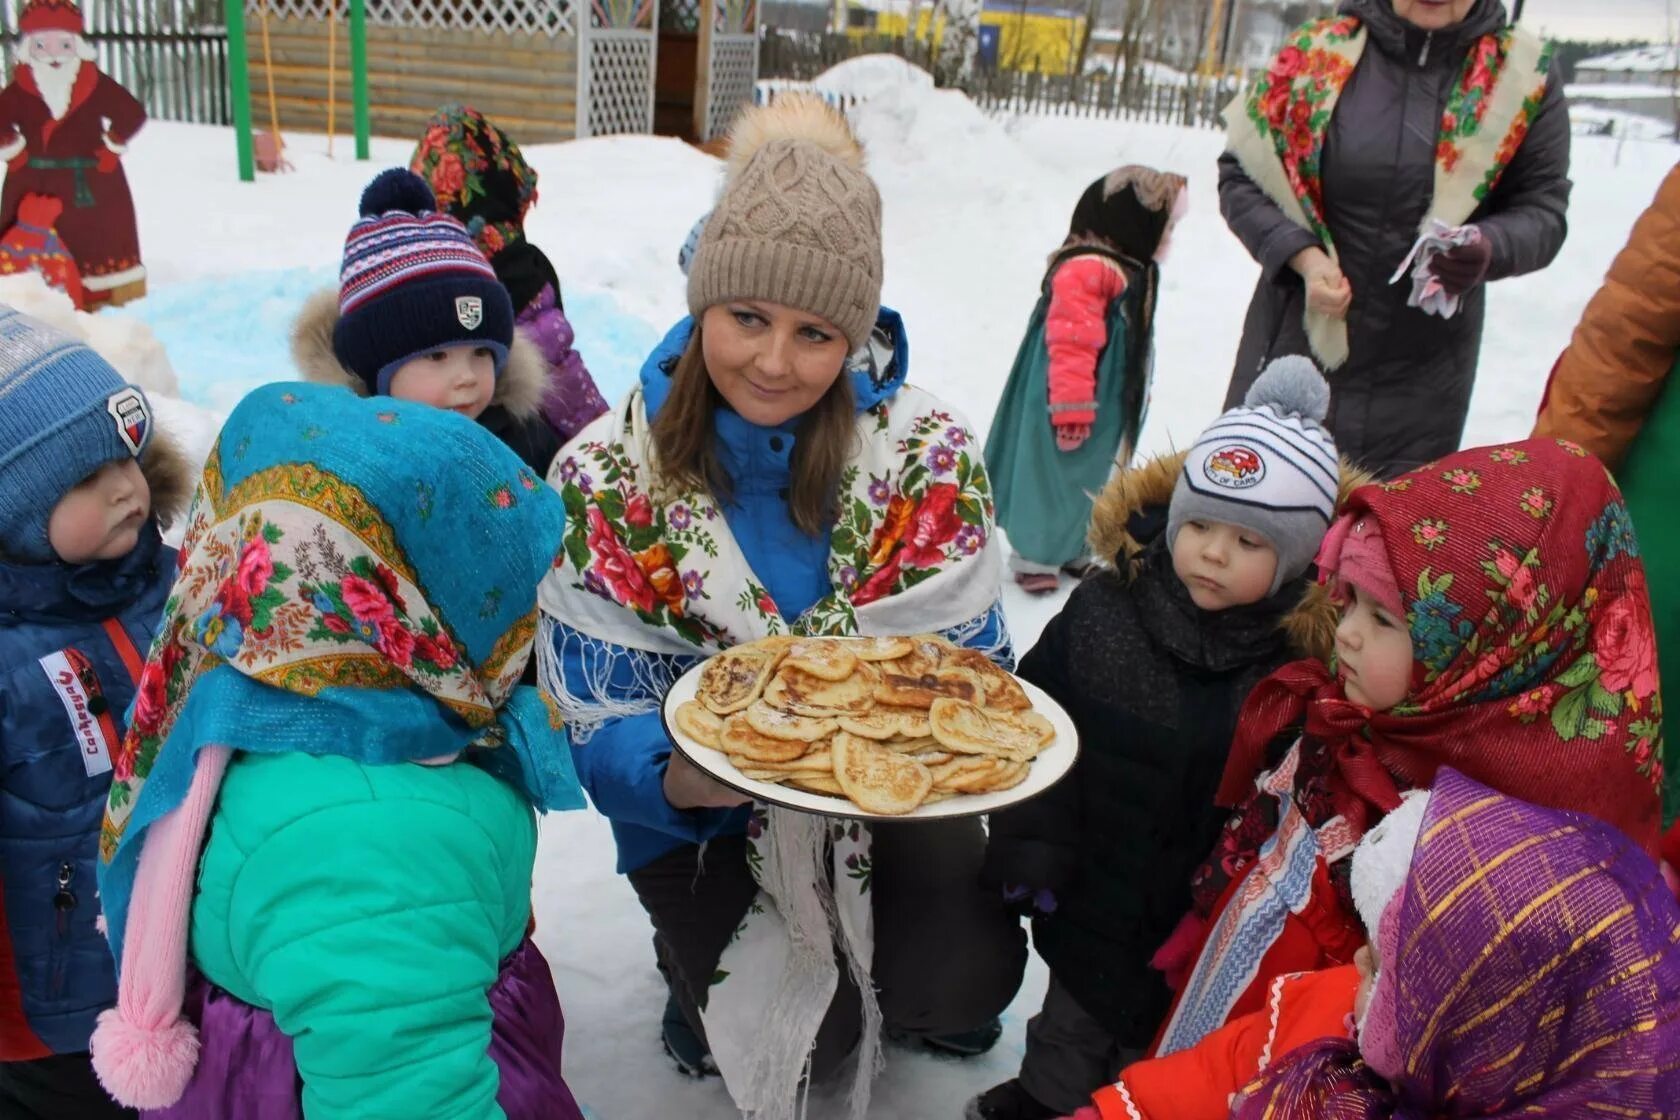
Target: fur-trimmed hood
{"x":1311,"y":626}
{"x":170,"y":476}
{"x":520,"y":389}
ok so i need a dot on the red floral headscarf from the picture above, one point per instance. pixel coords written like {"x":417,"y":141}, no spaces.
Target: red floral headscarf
{"x":1534,"y":658}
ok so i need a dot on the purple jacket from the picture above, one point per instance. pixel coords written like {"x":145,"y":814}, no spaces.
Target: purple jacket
{"x":572,"y":400}
{"x":246,"y":1071}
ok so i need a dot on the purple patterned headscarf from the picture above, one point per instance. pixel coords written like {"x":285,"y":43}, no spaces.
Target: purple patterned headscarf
{"x":1537,"y":974}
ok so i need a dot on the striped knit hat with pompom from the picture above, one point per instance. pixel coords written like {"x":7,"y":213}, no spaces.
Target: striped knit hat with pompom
{"x":413,"y":282}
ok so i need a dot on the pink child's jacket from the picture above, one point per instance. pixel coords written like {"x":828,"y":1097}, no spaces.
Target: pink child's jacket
{"x":1075,"y":332}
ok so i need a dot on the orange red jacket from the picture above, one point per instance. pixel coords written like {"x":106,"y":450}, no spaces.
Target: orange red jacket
{"x":1607,"y":381}
{"x":1075,"y":332}
{"x":1197,"y":1084}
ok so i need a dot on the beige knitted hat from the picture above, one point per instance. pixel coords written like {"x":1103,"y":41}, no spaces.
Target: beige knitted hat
{"x":799,"y":221}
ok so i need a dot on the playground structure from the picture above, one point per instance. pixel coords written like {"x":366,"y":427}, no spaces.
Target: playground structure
{"x":546,"y":70}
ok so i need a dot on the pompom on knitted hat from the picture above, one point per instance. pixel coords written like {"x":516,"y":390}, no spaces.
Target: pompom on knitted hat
{"x":798,"y":222}
{"x":1268,"y":465}
{"x":413,"y":282}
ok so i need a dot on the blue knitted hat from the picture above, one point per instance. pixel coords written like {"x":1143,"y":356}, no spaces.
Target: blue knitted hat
{"x":64,"y":413}
{"x":412,"y":282}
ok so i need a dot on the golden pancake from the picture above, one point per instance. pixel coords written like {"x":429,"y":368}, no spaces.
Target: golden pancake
{"x":904,"y":690}
{"x":969,"y":729}
{"x":736,"y":677}
{"x":877,"y":780}
{"x":880,"y":648}
{"x":785,"y":725}
{"x":821,"y":657}
{"x":696,"y":721}
{"x":739,"y":738}
{"x":1003,"y":692}
{"x":800,"y":693}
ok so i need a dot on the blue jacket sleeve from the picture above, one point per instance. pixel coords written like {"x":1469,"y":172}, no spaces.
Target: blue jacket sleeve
{"x":621,"y":758}
{"x":988,"y":633}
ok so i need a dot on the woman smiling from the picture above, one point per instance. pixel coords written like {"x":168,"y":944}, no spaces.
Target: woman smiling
{"x":773,"y":473}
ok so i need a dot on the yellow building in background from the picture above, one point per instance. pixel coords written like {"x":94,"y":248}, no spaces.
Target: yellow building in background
{"x":1015,"y":35}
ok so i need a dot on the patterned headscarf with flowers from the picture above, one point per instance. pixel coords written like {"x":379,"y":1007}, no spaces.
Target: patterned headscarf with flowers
{"x":358,"y":578}
{"x":1531,"y":972}
{"x":477,"y":174}
{"x":1534,"y":658}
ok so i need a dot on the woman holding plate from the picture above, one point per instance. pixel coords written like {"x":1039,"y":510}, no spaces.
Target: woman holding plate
{"x":759,"y":482}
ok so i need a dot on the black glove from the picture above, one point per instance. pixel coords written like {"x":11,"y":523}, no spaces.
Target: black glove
{"x":1463,"y":266}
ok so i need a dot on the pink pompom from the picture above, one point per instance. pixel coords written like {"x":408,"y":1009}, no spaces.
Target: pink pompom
{"x":144,"y":1067}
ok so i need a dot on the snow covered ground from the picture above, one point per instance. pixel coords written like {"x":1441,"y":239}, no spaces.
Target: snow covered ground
{"x":973,"y":206}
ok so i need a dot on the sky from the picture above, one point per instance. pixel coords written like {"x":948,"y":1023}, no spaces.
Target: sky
{"x":1599,"y":19}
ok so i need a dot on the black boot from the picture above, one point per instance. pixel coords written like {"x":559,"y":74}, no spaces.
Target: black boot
{"x":1007,"y":1102}
{"x":684,"y":1046}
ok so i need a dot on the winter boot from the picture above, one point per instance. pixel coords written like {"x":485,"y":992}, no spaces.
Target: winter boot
{"x":684,"y":1046}
{"x":1007,"y":1102}
{"x":963,"y":1044}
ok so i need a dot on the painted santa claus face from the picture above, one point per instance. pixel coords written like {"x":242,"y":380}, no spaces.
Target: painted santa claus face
{"x":55,"y":50}
{"x":55,"y":58}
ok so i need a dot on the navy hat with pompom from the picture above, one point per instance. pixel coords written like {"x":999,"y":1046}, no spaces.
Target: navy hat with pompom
{"x":413,"y":282}
{"x":1268,"y":465}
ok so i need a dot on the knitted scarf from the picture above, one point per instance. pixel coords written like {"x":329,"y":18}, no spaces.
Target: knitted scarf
{"x":1534,"y":975}
{"x":649,"y":570}
{"x":1278,"y":127}
{"x":323,"y":606}
{"x":1534,"y":671}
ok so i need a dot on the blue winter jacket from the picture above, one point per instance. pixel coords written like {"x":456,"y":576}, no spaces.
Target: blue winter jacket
{"x":622,"y":762}
{"x":72,"y":640}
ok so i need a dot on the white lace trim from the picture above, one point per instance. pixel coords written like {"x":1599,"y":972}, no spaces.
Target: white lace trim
{"x":1126,"y":1099}
{"x":1274,"y":1005}
{"x":600,"y":699}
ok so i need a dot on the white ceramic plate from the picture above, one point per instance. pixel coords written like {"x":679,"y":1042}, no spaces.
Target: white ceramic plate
{"x":1046,"y":770}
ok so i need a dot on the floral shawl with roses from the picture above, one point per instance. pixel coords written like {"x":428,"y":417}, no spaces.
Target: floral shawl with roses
{"x":660,"y":574}
{"x":1534,"y":672}
{"x":330,"y":603}
{"x":1277,"y":129}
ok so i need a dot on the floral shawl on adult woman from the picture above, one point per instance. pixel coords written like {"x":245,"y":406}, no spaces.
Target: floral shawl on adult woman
{"x":1534,"y":671}
{"x":1277,"y":129}
{"x":1532,"y":972}
{"x":659,"y":572}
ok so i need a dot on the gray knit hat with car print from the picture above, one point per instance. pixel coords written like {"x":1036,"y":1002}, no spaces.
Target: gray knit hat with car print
{"x":1268,"y":465}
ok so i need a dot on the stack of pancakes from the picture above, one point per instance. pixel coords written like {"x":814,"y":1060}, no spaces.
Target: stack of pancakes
{"x":889,"y":723}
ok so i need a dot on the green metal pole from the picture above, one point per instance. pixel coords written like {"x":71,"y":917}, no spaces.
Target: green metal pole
{"x":239,"y":83}
{"x":359,"y":74}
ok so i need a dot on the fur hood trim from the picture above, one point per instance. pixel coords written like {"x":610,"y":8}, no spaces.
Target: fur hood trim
{"x":792,"y":117}
{"x":520,"y":389}
{"x":171,"y":477}
{"x":1311,"y":626}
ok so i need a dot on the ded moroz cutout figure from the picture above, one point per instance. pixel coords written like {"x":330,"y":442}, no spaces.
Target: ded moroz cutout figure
{"x":64,"y":126}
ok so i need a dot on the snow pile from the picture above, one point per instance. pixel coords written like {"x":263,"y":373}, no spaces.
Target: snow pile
{"x":128,"y":345}
{"x":874,"y":75}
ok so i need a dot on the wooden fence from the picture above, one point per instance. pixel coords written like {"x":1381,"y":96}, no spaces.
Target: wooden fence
{"x":800,"y":56}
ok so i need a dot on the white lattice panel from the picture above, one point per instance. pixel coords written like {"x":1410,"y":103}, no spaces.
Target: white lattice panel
{"x":734,"y":68}
{"x":618,"y":71}
{"x":527,"y":17}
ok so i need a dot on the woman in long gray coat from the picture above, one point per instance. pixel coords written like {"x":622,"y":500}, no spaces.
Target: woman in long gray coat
{"x":1367,"y":129}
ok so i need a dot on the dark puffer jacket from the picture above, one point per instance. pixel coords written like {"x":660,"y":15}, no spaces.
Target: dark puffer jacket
{"x":1154,"y":685}
{"x":1402,"y":396}
{"x":71,"y":643}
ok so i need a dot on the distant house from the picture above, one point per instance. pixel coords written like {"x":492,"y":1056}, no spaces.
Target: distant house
{"x":1014,"y":34}
{"x":1641,"y":81}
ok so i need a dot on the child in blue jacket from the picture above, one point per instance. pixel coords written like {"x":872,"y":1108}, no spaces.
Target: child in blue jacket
{"x":84,"y":481}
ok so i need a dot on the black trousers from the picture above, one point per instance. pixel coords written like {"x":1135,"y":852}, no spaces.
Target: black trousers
{"x":62,"y":1087}
{"x":948,"y":954}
